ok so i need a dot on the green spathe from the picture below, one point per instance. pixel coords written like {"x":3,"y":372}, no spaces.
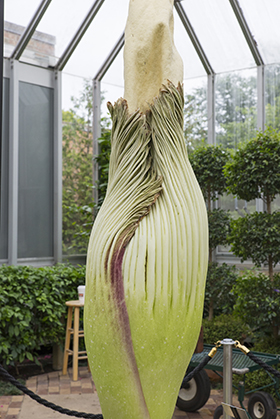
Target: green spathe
{"x":146,"y":265}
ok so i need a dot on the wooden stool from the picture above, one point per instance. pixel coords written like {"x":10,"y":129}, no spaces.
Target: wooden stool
{"x":76,"y":335}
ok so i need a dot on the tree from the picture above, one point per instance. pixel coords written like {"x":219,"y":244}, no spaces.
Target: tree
{"x":103,"y":160}
{"x":77,"y":182}
{"x":258,"y":301}
{"x":236,"y":109}
{"x":272,"y":96}
{"x":257,"y":237}
{"x":254,"y":172}
{"x":208,"y":163}
{"x":219,"y":222}
{"x":219,"y":282}
{"x":195,"y":117}
{"x":78,"y":202}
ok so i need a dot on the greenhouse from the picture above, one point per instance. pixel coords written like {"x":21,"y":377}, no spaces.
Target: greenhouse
{"x":179,"y":191}
{"x":231,"y":81}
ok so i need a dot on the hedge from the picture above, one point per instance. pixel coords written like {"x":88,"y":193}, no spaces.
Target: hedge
{"x":32,"y":308}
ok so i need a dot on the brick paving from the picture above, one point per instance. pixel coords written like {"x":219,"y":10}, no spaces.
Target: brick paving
{"x":56,"y":383}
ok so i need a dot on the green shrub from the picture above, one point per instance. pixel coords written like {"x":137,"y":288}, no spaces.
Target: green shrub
{"x":208,"y":162}
{"x":252,"y":173}
{"x":258,"y":301}
{"x":257,"y":237}
{"x":219,"y":226}
{"x":32,"y":307}
{"x":254,"y":170}
{"x":219,"y":299}
{"x":224,"y":326}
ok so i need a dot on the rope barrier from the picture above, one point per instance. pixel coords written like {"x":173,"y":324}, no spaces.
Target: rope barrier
{"x":197,"y":369}
{"x":44,"y":402}
{"x":187,"y":378}
{"x":202,"y":364}
{"x":257,"y":360}
{"x":75,"y":413}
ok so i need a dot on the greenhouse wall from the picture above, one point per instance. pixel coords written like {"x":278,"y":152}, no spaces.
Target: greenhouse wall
{"x":51,"y":121}
{"x":30,"y":178}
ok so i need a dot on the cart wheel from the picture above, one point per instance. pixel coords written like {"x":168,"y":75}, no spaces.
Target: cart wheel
{"x":194,"y":394}
{"x":219,"y":411}
{"x":261,"y":405}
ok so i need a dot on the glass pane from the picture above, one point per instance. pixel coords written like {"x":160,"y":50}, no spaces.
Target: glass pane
{"x":112,"y":85}
{"x":236,"y":207}
{"x":4,"y":173}
{"x":100,"y":38}
{"x":17,"y":14}
{"x":71,"y":87}
{"x":275,"y":206}
{"x":236,"y":107}
{"x":35,"y":208}
{"x":77,"y":166}
{"x":20,"y":12}
{"x":263,"y":19}
{"x":55,"y":33}
{"x":219,"y":33}
{"x":195,"y":112}
{"x":272,"y":96}
{"x":192,"y":63}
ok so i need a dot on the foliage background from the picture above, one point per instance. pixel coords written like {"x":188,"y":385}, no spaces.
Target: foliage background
{"x":78,"y":205}
{"x":32,"y":308}
{"x":236,"y":123}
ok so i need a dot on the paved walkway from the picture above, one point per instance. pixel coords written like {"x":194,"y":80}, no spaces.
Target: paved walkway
{"x":60,"y":389}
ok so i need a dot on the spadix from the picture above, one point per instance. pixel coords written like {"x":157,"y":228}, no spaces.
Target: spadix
{"x":148,"y":250}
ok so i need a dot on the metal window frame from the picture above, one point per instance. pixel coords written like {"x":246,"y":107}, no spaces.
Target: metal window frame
{"x":110,"y":59}
{"x":211,"y":77}
{"x":96,"y":130}
{"x":57,"y":161}
{"x":29,"y":30}
{"x":6,"y":74}
{"x":21,"y":72}
{"x":13,"y":164}
{"x":253,"y":46}
{"x":247,"y":32}
{"x":211,"y":109}
{"x":16,"y":75}
{"x":194,"y":39}
{"x":78,"y":35}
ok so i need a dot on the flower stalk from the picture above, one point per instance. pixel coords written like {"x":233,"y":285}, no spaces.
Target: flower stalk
{"x":147,"y":255}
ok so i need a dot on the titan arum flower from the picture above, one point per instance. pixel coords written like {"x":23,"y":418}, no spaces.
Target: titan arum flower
{"x":148,"y":250}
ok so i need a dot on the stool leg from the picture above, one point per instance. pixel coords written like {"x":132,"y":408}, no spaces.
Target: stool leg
{"x":76,"y":343}
{"x":67,"y":341}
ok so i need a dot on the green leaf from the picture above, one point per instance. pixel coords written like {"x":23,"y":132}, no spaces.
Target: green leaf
{"x":29,"y":356}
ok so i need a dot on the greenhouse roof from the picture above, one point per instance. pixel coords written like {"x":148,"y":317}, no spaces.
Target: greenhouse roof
{"x":84,"y":38}
{"x":92,"y":28}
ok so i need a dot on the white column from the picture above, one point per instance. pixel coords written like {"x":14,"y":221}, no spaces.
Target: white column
{"x":260,"y":98}
{"x":96,"y":134}
{"x":13,"y":164}
{"x":57,"y":112}
{"x":211,"y":108}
